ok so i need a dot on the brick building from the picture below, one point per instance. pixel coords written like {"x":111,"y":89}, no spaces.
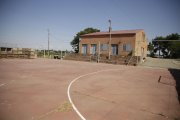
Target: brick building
{"x":122,"y":42}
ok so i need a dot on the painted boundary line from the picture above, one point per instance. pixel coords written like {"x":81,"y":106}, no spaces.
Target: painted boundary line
{"x":4,"y":84}
{"x":69,"y":87}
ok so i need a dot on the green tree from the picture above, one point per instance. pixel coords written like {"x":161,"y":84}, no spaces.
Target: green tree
{"x":169,"y":49}
{"x":151,"y":49}
{"x":75,"y":41}
{"x":158,"y":45}
{"x":174,"y":46}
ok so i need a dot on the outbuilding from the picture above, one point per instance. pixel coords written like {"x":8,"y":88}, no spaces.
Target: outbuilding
{"x":114,"y":43}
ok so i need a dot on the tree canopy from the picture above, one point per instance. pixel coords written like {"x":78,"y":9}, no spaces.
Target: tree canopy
{"x":169,"y":49}
{"x":75,"y":41}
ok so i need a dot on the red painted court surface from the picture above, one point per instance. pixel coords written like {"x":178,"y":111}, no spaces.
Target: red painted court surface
{"x":37,"y":90}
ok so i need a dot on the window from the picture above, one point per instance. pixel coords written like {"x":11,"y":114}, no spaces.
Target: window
{"x":127,"y":47}
{"x":104,"y":47}
{"x":93,"y":49}
{"x":3,"y":49}
{"x":84,"y":49}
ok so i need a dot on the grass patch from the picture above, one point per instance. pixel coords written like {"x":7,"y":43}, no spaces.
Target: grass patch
{"x":65,"y":107}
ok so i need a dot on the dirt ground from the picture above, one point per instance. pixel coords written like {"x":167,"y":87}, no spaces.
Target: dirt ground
{"x":36,"y":89}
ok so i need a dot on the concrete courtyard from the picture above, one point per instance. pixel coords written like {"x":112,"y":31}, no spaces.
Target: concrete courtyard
{"x":37,"y":89}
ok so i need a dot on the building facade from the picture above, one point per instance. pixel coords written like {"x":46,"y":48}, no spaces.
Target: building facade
{"x":122,"y":43}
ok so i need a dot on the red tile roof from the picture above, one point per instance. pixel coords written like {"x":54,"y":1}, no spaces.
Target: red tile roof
{"x":114,"y":32}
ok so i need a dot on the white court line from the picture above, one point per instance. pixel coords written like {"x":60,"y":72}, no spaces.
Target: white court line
{"x":2,"y":84}
{"x":68,"y":91}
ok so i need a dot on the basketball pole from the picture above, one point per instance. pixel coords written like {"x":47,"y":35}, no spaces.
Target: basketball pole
{"x":48,"y":41}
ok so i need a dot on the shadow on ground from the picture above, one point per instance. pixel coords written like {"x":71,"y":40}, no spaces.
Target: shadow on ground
{"x":176,"y":74}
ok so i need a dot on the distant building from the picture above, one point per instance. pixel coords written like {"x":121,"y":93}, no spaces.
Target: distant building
{"x":123,"y":42}
{"x":8,"y":52}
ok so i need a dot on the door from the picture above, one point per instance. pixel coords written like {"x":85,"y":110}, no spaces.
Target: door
{"x":114,"y":49}
{"x":84,"y":49}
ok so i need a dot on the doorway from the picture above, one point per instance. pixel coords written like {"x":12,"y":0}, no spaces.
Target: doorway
{"x":114,"y":49}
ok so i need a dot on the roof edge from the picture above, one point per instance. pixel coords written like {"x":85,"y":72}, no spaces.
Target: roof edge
{"x":116,"y":32}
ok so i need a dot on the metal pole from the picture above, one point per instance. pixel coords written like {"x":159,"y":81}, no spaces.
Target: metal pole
{"x":44,"y":53}
{"x":99,"y":52}
{"x":61,"y":54}
{"x":159,"y":50}
{"x":109,"y":39}
{"x":48,"y":42}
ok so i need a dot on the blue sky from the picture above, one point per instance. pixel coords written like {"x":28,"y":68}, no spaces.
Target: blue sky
{"x":24,"y":23}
